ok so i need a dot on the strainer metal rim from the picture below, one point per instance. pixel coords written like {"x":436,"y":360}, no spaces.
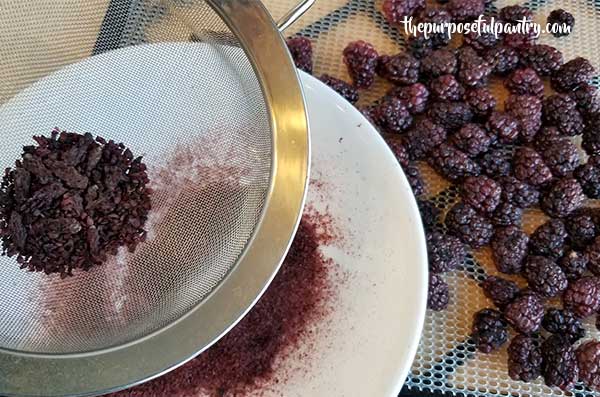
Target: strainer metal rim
{"x":102,"y":371}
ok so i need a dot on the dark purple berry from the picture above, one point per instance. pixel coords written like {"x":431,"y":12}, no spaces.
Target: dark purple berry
{"x":590,"y":141}
{"x":414,"y":96}
{"x":419,"y":45}
{"x":563,"y":322}
{"x":520,"y":40}
{"x":561,"y":156}
{"x":515,"y":13}
{"x":588,"y":361}
{"x":582,"y":296}
{"x":547,"y":136}
{"x":347,"y":91}
{"x":483,"y":40}
{"x":519,"y":193}
{"x":414,"y":180}
{"x":445,"y":253}
{"x":301,"y":50}
{"x":391,"y":115}
{"x":489,"y":331}
{"x":588,"y":177}
{"x":574,"y":264}
{"x":559,"y":364}
{"x":530,"y":168}
{"x":423,"y":137}
{"x":439,"y":63}
{"x":495,"y":163}
{"x":562,"y":198}
{"x":542,"y":58}
{"x":438,"y":294}
{"x":361,"y":59}
{"x":430,"y":214}
{"x":586,"y":100}
{"x":593,"y":255}
{"x":561,"y":111}
{"x":446,"y":88}
{"x":481,"y":193}
{"x":502,"y":59}
{"x":509,"y":249}
{"x":473,"y":70}
{"x":527,"y":110}
{"x":481,"y":100}
{"x":465,"y":10}
{"x":525,"y":313}
{"x":544,"y":276}
{"x":524,"y":82}
{"x":396,"y":10}
{"x":499,"y":290}
{"x":504,"y":126}
{"x":472,"y":139}
{"x":452,"y":163}
{"x":465,"y":223}
{"x":581,"y":229}
{"x":549,"y":239}
{"x":507,"y":214}
{"x":450,"y":115}
{"x":563,"y":22}
{"x":397,"y":147}
{"x":437,"y":16}
{"x":402,"y":69}
{"x":524,"y":359}
{"x":572,"y":75}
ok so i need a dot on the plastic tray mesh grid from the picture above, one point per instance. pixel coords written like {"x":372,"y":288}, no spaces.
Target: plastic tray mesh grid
{"x":447,"y":361}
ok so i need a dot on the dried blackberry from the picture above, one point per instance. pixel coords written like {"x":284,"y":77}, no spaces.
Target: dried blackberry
{"x":582,"y":296}
{"x":515,"y":13}
{"x":574,"y":264}
{"x":561,"y":156}
{"x":438,"y":295}
{"x":395,"y":10}
{"x":530,"y":168}
{"x":450,"y":115}
{"x":559,"y":364}
{"x":588,"y":177}
{"x":563,"y":22}
{"x":419,"y":45}
{"x":542,"y":58}
{"x":502,"y":59}
{"x":527,"y":110}
{"x":481,"y":101}
{"x":414,"y":180}
{"x":561,"y":111}
{"x":509,"y":249}
{"x":414,"y":96}
{"x":481,"y":193}
{"x":465,"y":223}
{"x":581,"y":229}
{"x":465,"y":10}
{"x":399,"y":149}
{"x":482,"y":40}
{"x":430,"y":214}
{"x":549,"y":239}
{"x":544,"y":276}
{"x":547,"y":136}
{"x":520,"y":40}
{"x":586,"y":100}
{"x":504,"y":126}
{"x":507,"y":214}
{"x":361,"y":59}
{"x":446,"y":88}
{"x":563,"y":322}
{"x":302,"y":54}
{"x":593,"y":254}
{"x":473,"y":70}
{"x":439,"y":63}
{"x":588,"y":357}
{"x":590,"y":141}
{"x":499,"y":290}
{"x":524,"y":359}
{"x":472,"y":139}
{"x":519,"y":193}
{"x":495,"y":163}
{"x":440,"y":17}
{"x":572,"y":75}
{"x":524,"y":82}
{"x":525,"y":313}
{"x":402,"y":69}
{"x":562,"y":198}
{"x":347,"y":91}
{"x":423,"y":137}
{"x":452,"y":163}
{"x":391,"y":115}
{"x":489,"y":331}
{"x":445,"y":252}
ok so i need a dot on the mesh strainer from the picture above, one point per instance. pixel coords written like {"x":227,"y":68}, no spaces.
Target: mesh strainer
{"x":207,"y":92}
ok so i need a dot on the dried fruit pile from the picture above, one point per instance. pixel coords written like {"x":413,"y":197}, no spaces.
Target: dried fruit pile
{"x":70,"y":201}
{"x":506,"y":158}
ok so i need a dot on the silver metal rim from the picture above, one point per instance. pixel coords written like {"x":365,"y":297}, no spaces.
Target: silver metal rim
{"x":119,"y":367}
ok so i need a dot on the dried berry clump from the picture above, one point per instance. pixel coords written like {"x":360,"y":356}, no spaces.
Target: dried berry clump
{"x":542,"y":58}
{"x":507,"y":214}
{"x":473,"y":70}
{"x":527,"y":109}
{"x":549,"y":239}
{"x":450,"y":115}
{"x":530,"y":168}
{"x":347,"y":91}
{"x":481,"y":193}
{"x":445,"y":252}
{"x":446,"y":88}
{"x":565,"y":323}
{"x":430,"y":214}
{"x":499,"y":290}
{"x":509,"y":249}
{"x":481,"y":101}
{"x":302,"y":53}
{"x":574,"y":264}
{"x":572,"y":75}
{"x":452,"y":163}
{"x":489,"y":331}
{"x":582,"y":296}
{"x":562,"y":198}
{"x":504,"y":126}
{"x":495,"y":163}
{"x":71,"y":201}
{"x":581,"y":229}
{"x":561,"y":156}
{"x":502,"y":59}
{"x":438,"y":295}
{"x":559,"y":364}
{"x":525,"y":313}
{"x":472,"y":139}
{"x":524,"y":358}
{"x":361,"y":59}
{"x":588,"y":176}
{"x":438,"y":63}
{"x":402,"y":69}
{"x":414,"y":97}
{"x":544,"y":276}
{"x":588,"y":359}
{"x":423,"y":137}
{"x":561,"y":111}
{"x":391,"y":115}
{"x":396,"y":10}
{"x":465,"y":223}
{"x":465,"y":10}
{"x":524,"y":82}
{"x":515,"y":13}
{"x":563,"y":22}
{"x":519,"y":193}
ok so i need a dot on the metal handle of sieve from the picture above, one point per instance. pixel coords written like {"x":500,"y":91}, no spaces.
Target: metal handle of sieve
{"x":294,"y":14}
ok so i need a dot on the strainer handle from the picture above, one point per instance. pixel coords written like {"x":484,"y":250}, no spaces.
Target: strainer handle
{"x":294,"y":14}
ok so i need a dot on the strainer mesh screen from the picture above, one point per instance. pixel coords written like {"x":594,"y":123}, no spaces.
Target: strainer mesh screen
{"x":195,"y":110}
{"x":447,"y":363}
